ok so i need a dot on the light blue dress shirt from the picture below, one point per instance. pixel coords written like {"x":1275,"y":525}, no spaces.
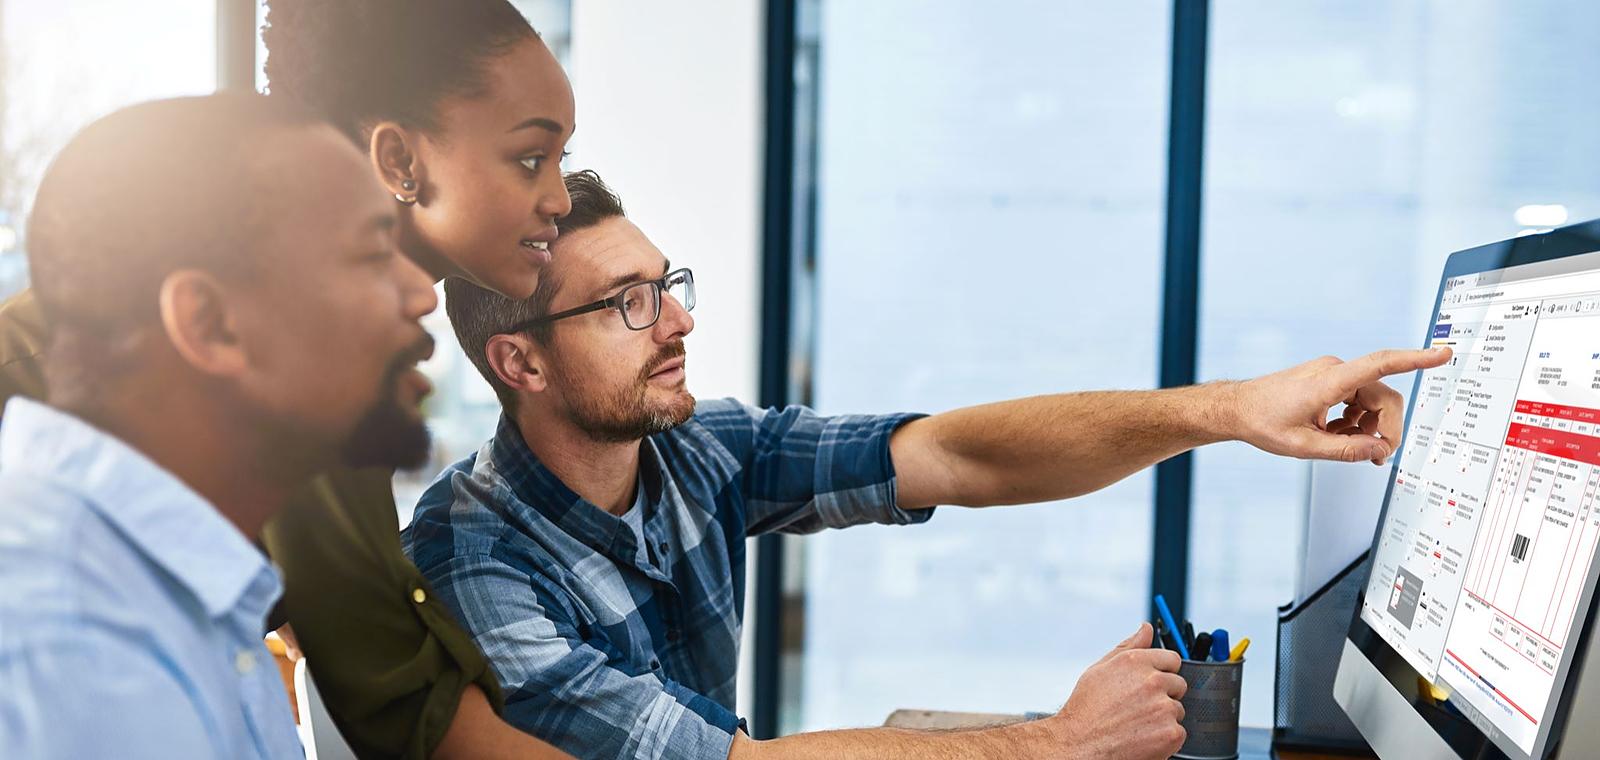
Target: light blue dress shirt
{"x":131,"y":611}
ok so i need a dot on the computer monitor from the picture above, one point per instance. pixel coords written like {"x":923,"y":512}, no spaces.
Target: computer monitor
{"x":1472,"y":631}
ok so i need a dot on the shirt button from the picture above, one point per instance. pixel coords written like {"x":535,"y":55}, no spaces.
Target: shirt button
{"x":418,"y":595}
{"x":244,"y":662}
{"x":655,"y":665}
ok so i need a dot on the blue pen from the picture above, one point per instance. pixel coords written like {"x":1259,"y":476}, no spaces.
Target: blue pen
{"x":1219,"y":645}
{"x":1172,"y":625}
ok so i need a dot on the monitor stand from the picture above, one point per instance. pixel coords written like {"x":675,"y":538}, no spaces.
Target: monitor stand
{"x":1385,"y":718}
{"x":1582,"y":732}
{"x":1394,"y":729}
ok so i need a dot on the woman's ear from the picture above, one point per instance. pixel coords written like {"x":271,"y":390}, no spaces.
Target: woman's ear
{"x":199,"y":325}
{"x":517,"y":362}
{"x":393,"y":150}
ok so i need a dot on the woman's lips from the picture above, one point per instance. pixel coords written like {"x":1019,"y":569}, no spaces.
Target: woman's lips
{"x":538,"y":251}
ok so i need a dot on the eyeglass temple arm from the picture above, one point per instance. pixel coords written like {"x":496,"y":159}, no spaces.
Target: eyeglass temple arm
{"x":606,"y":303}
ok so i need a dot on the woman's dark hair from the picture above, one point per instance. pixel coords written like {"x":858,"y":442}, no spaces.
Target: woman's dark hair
{"x":358,"y":62}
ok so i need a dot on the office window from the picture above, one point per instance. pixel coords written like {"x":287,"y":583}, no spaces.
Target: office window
{"x":1350,"y":148}
{"x":989,"y":199}
{"x":63,"y":65}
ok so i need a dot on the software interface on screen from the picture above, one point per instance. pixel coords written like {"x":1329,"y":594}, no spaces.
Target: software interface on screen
{"x":1485,"y":559}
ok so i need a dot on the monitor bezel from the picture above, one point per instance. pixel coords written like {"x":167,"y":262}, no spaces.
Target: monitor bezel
{"x":1572,"y":240}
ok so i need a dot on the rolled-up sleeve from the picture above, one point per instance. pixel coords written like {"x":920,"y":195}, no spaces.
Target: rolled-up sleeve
{"x":803,"y":472}
{"x":568,"y":690}
{"x":389,"y":658}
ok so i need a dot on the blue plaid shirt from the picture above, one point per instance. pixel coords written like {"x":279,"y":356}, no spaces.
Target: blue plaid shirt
{"x":608,"y":656}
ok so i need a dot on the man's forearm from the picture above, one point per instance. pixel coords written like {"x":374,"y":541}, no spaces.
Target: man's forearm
{"x":1053,"y":447}
{"x":476,"y":732}
{"x":1019,"y":740}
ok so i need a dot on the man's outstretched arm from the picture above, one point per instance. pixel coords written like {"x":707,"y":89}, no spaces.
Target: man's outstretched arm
{"x":1055,"y":447}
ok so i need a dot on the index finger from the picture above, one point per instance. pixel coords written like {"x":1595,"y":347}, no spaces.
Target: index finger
{"x":1380,"y":364}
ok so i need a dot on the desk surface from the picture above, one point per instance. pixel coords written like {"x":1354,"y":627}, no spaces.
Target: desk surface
{"x":1254,"y":743}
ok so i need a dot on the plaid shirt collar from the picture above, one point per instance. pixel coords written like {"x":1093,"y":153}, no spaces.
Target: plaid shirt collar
{"x":537,"y":488}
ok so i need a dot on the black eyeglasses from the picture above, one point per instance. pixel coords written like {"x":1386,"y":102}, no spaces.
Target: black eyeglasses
{"x":639,"y":303}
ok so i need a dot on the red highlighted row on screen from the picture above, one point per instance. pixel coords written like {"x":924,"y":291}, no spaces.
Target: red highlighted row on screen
{"x":1558,"y":411}
{"x":1562,"y":444}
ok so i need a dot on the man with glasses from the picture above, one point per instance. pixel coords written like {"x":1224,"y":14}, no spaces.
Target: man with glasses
{"x":595,"y":546}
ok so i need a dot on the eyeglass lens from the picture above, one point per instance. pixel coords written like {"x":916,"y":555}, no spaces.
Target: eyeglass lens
{"x":641,"y":303}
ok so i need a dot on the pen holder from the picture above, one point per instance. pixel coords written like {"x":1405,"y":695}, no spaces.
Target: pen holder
{"x":1211,"y":709}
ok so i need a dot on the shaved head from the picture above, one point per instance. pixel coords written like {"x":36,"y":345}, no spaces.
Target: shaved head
{"x":151,"y":189}
{"x":232,"y":258}
{"x":159,"y":187}
{"x":225,"y":294}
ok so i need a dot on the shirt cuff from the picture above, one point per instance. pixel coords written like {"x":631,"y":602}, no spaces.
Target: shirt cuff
{"x":875,"y":501}
{"x":705,"y":730}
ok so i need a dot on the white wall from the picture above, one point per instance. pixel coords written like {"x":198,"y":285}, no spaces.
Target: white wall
{"x":670,"y":115}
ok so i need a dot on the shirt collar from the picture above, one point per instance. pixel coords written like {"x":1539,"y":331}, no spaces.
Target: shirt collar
{"x":159,"y":514}
{"x":535,"y":486}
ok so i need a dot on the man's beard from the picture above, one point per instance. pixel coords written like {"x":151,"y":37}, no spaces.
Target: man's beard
{"x":389,"y":434}
{"x":626,"y":414}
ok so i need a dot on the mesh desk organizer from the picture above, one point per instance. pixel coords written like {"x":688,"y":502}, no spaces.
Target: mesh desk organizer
{"x":1310,"y":640}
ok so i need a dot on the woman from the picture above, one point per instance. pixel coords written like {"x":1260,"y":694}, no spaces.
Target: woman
{"x":463,"y":110}
{"x":464,"y":114}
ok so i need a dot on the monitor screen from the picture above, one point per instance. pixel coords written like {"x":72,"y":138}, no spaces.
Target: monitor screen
{"x":1483,"y":569}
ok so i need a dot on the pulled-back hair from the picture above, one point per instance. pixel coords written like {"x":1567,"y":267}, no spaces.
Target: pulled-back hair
{"x":478,"y":313}
{"x":359,"y":62}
